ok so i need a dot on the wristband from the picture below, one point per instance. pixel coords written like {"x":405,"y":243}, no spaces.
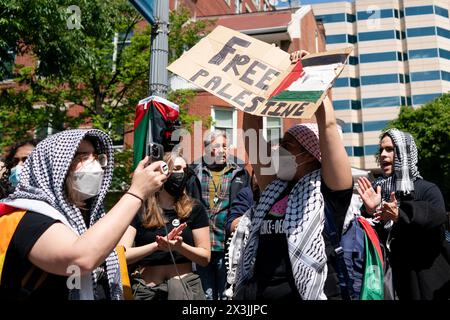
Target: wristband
{"x":136,"y":196}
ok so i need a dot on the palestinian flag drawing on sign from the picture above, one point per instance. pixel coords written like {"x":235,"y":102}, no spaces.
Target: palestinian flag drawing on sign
{"x":161,"y":114}
{"x":310,"y":78}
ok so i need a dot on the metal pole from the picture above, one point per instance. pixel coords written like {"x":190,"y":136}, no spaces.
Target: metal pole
{"x":159,"y":53}
{"x":159,"y":50}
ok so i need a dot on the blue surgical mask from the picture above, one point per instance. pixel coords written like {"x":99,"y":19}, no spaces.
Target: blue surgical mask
{"x":14,"y":177}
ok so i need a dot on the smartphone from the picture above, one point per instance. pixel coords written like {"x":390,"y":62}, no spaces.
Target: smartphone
{"x":155,"y":151}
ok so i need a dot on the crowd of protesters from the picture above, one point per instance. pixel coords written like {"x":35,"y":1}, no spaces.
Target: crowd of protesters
{"x":170,"y":229}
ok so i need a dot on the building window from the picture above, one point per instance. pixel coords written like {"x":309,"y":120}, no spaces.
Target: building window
{"x":375,"y":125}
{"x":423,"y":53}
{"x":336,"y":38}
{"x":346,"y":104}
{"x":441,"y":11}
{"x":353,"y":60}
{"x":421,"y":32}
{"x":415,"y":11}
{"x":358,"y":151}
{"x":375,"y":14}
{"x":351,"y":38}
{"x":424,"y":98}
{"x":350,"y":17}
{"x":445,"y":75}
{"x":425,"y":76}
{"x":349,"y":151}
{"x":347,"y":82}
{"x":357,"y":127}
{"x":341,"y":104}
{"x":8,"y":66}
{"x":237,"y":6}
{"x":356,"y":104}
{"x":444,"y":54}
{"x":379,"y":79}
{"x":273,"y":129}
{"x":225,"y":119}
{"x":331,"y":18}
{"x":118,"y":136}
{"x":381,"y":102}
{"x":377,"y":57}
{"x":120,"y":42}
{"x":443,"y":32}
{"x":371,"y":150}
{"x":376,"y":35}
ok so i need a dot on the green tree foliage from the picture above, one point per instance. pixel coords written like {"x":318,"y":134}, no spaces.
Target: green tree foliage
{"x":82,"y":66}
{"x":430,"y":127}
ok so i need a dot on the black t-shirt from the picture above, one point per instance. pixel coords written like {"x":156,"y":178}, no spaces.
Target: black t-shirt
{"x":17,"y":265}
{"x":273,"y":270}
{"x":197,"y":219}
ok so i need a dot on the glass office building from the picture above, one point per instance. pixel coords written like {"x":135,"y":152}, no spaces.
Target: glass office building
{"x":401,"y":56}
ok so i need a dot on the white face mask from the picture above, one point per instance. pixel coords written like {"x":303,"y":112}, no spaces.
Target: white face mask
{"x":88,"y":180}
{"x":284,"y":164}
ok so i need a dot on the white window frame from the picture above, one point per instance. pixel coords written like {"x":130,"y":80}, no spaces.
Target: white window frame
{"x":233,"y":139}
{"x":265,"y":127}
{"x":116,"y":48}
{"x":237,"y":6}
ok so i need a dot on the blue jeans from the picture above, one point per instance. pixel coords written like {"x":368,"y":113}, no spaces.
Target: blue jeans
{"x":214,"y":276}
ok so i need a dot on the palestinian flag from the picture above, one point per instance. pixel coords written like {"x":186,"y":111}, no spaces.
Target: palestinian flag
{"x":311,"y":77}
{"x":373,"y":282}
{"x":158,"y":113}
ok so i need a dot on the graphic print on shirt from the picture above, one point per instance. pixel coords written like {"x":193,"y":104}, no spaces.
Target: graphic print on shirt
{"x":273,"y":222}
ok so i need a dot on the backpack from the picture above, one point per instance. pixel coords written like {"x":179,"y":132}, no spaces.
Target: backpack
{"x":359,"y":262}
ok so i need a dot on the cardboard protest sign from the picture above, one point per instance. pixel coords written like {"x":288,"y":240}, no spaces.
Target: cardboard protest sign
{"x":257,"y":77}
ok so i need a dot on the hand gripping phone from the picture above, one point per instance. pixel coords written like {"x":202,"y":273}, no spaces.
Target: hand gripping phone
{"x":156,"y":153}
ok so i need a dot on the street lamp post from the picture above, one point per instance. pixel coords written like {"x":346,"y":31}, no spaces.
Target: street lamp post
{"x":159,"y":53}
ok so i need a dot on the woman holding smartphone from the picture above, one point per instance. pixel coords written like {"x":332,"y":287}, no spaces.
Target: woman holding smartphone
{"x":169,"y":234}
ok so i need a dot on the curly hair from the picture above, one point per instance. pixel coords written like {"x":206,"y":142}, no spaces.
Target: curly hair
{"x":8,"y":163}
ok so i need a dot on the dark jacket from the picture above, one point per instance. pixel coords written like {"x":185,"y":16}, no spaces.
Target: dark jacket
{"x":240,"y":179}
{"x":241,"y":203}
{"x":419,"y":254}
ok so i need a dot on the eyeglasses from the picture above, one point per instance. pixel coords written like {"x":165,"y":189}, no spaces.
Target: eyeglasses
{"x":17,"y":160}
{"x":81,"y":157}
{"x":218,"y":146}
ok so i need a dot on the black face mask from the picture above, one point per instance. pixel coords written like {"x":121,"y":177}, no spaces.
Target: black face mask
{"x":175,"y":184}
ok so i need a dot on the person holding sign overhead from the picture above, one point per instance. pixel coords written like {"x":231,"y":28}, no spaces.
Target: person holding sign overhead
{"x":287,"y":254}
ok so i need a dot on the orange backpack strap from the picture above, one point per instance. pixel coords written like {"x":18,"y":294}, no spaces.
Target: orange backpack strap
{"x":127,"y":293}
{"x":8,"y":225}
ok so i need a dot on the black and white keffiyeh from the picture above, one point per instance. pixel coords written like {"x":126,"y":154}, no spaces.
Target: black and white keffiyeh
{"x":303,"y":225}
{"x":405,"y":166}
{"x":43,"y":179}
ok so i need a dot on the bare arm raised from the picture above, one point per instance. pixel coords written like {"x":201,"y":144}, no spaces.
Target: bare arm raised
{"x":336,"y":170}
{"x":59,"y":247}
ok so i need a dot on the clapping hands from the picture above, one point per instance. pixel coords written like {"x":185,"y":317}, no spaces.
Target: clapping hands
{"x":174,"y":240}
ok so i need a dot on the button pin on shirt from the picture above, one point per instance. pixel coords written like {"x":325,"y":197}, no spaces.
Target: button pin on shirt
{"x":175,"y":222}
